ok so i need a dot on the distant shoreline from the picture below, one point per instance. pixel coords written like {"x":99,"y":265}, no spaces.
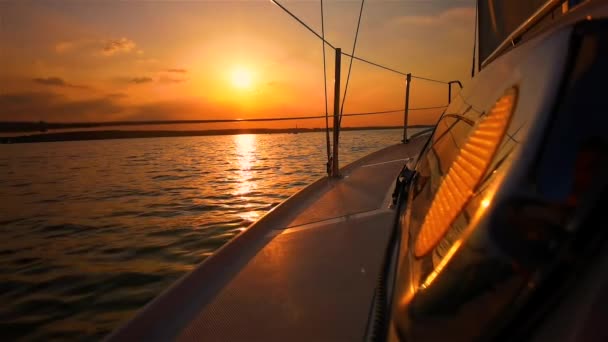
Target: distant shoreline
{"x":120,"y":134}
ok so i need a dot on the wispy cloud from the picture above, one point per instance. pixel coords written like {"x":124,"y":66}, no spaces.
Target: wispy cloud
{"x":117,"y":95}
{"x":55,"y":107}
{"x":179,"y":71}
{"x":169,"y":79}
{"x":161,"y":78}
{"x":99,"y":47}
{"x":180,"y":109}
{"x":112,"y":47}
{"x":141,"y":80}
{"x":57,"y":82}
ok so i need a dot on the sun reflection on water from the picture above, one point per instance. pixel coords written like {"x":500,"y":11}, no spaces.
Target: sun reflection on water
{"x":246,"y":145}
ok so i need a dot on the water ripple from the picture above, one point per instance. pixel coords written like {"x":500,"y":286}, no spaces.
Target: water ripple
{"x":91,"y":231}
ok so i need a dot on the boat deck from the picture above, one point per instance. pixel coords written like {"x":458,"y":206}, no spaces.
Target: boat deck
{"x":305,"y":271}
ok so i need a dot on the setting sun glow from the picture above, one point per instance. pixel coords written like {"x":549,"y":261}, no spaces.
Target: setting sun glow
{"x":241,"y":78}
{"x":65,"y":61}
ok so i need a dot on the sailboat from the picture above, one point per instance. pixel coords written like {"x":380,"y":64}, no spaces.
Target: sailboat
{"x":490,"y":226}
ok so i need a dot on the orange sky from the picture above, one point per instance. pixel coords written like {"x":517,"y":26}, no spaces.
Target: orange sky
{"x":100,"y":61}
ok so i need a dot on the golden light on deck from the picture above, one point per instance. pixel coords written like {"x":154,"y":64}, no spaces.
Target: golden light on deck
{"x":465,"y":174}
{"x":241,"y":78}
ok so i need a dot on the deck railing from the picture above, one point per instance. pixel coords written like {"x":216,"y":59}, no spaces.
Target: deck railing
{"x":334,"y":169}
{"x":333,"y":156}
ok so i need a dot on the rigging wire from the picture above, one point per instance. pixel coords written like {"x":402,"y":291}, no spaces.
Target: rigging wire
{"x":64,"y":125}
{"x":325,"y":86}
{"x":352,"y":56}
{"x":374,"y":64}
{"x":391,"y":69}
{"x":350,"y":66}
{"x":392,"y":111}
{"x":303,"y":23}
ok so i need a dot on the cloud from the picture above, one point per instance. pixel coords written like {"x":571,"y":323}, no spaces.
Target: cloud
{"x":112,"y":47}
{"x":99,"y":47}
{"x":169,"y":79}
{"x":57,"y":82}
{"x":117,"y":95}
{"x":181,"y":109}
{"x":33,"y":106}
{"x":163,"y":78}
{"x":172,"y":75}
{"x":52,"y":107}
{"x":141,"y":80}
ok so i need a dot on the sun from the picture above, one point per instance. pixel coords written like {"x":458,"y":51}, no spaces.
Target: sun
{"x":241,"y":78}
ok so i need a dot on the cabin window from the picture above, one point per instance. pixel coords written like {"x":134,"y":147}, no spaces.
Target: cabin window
{"x":499,"y":18}
{"x":451,"y":133}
